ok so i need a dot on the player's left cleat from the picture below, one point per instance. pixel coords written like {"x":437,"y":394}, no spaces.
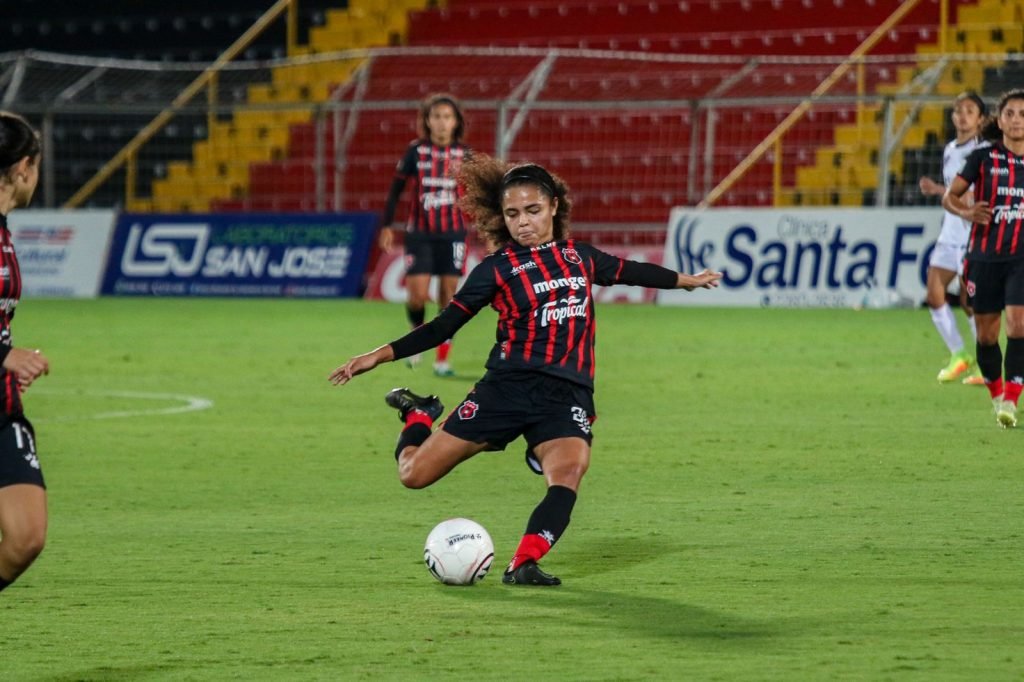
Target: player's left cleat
{"x":405,"y":401}
{"x":529,"y":573}
{"x":413,"y":361}
{"x":443,"y":369}
{"x":958,"y":364}
{"x":1006,"y":414}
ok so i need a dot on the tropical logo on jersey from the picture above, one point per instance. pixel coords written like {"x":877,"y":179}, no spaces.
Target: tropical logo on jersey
{"x":556,"y":312}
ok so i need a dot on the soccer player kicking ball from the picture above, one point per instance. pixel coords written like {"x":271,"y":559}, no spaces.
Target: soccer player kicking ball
{"x":540,"y":374}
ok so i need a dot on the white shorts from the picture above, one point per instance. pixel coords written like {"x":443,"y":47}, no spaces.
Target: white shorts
{"x":948,"y":257}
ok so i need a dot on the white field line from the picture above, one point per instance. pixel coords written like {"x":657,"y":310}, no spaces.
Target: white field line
{"x":189,"y":404}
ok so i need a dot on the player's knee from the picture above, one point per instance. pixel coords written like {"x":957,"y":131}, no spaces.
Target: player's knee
{"x":24,"y":546}
{"x":411,"y":476}
{"x":935,"y":299}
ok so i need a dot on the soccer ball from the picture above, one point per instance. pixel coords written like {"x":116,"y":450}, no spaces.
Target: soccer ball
{"x":458,"y":552}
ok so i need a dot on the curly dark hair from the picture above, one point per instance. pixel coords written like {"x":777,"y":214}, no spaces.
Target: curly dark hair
{"x":432,"y":101}
{"x":17,"y":140}
{"x":485,"y":179}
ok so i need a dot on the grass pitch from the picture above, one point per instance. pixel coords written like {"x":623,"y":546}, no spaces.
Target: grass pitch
{"x":774,"y":494}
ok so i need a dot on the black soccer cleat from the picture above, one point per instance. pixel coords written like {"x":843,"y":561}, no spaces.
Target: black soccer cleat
{"x":529,"y":573}
{"x":405,"y":401}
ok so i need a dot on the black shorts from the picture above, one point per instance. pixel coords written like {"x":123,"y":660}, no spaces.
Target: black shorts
{"x":18,"y":460}
{"x":991,"y":286}
{"x":505,"y":405}
{"x":432,"y":255}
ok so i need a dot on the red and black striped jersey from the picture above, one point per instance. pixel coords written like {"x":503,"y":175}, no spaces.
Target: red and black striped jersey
{"x":10,"y":294}
{"x":998,"y":178}
{"x":435,"y":192}
{"x":545,"y":305}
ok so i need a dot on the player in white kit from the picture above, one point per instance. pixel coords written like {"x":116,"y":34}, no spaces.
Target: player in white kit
{"x":947,"y":258}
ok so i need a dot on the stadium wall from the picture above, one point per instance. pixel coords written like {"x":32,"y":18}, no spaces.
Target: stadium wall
{"x":769,"y":257}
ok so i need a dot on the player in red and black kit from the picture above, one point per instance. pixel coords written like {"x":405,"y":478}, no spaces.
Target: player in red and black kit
{"x":435,"y":232}
{"x":540,"y":374}
{"x":22,"y":491}
{"x":994,"y":270}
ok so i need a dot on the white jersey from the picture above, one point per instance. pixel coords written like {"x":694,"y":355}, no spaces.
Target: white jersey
{"x":956,"y":230}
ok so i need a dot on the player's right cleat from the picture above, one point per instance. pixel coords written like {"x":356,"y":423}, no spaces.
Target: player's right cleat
{"x":405,"y":401}
{"x":959,"y":364}
{"x":413,"y":361}
{"x":529,"y":573}
{"x":1006,"y":414}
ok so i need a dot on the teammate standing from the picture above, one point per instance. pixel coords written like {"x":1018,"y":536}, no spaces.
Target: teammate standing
{"x":948,"y":255}
{"x":540,"y":373}
{"x":435,"y":232}
{"x":994,"y":272}
{"x":22,"y":491}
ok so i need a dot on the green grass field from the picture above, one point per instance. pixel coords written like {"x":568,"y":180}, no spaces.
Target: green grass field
{"x":774,"y":495}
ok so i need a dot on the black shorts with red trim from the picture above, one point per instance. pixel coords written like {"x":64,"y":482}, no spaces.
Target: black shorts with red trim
{"x":18,"y":460}
{"x":540,"y":407}
{"x":993,"y":285}
{"x":427,"y":254}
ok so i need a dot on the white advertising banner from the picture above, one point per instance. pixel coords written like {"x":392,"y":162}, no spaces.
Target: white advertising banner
{"x":61,"y":253}
{"x":828,"y":257}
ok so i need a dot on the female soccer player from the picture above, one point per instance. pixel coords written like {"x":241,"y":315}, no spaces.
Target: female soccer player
{"x":22,"y":491}
{"x":994,"y":272}
{"x":540,"y":373}
{"x":948,"y":256}
{"x":435,"y":239}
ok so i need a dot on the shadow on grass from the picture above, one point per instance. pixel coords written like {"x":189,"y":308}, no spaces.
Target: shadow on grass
{"x":633,"y":608}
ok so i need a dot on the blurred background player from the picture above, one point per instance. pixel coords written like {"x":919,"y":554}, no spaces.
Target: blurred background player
{"x":435,"y":232}
{"x":22,"y":491}
{"x":994,"y":272}
{"x":948,"y":256}
{"x":540,"y":374}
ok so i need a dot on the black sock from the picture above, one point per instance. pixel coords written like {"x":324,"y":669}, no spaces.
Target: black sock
{"x":415,"y":315}
{"x":414,"y":434}
{"x":4,"y":583}
{"x":1013,"y":367}
{"x":551,"y":517}
{"x":990,"y":361}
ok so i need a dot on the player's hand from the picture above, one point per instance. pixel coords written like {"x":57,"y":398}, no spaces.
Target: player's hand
{"x":386,"y":241}
{"x":26,"y":365}
{"x":929,"y":187}
{"x":705,"y":279}
{"x":360,"y":364}
{"x":977,"y":213}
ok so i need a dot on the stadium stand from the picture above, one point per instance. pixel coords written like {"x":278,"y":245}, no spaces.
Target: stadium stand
{"x":627,"y":163}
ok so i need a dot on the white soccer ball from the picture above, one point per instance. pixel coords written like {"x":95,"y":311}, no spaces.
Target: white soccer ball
{"x":458,"y":552}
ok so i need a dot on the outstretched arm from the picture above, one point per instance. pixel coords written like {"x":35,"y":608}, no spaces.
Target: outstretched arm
{"x":424,"y":337}
{"x":360,"y":364}
{"x":657,"y":277}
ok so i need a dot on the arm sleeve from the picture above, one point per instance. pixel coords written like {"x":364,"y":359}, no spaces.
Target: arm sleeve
{"x":432,"y":334}
{"x":406,"y":167}
{"x":4,"y":351}
{"x":972,"y":165}
{"x":391,"y":205}
{"x":609,"y":269}
{"x":477,"y":291}
{"x":647,"y":275}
